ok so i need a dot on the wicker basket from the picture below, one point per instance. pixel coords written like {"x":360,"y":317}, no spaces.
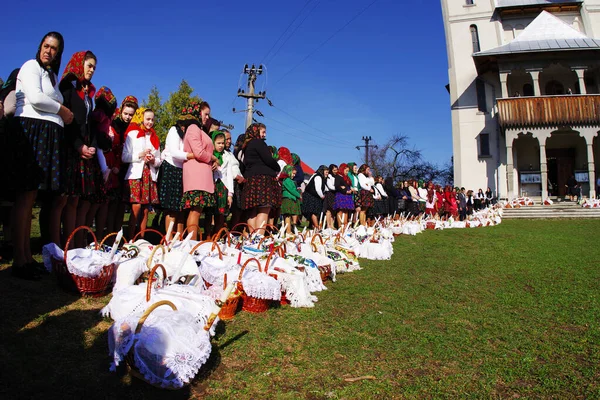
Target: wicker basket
{"x":430,"y":225}
{"x":207,"y":284}
{"x":249,"y":303}
{"x":230,"y":307}
{"x":93,"y":287}
{"x":129,"y":358}
{"x":145,"y":276}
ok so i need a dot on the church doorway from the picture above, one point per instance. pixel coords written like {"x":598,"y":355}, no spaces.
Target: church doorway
{"x":561,"y":165}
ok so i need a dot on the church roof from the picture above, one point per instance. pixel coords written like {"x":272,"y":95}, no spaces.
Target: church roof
{"x":526,"y":3}
{"x":545,"y":33}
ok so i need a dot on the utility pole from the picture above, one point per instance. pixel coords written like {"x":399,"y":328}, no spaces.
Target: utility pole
{"x":252,"y":73}
{"x":367,"y":139}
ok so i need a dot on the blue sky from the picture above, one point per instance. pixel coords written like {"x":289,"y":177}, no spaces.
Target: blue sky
{"x":383,"y":74}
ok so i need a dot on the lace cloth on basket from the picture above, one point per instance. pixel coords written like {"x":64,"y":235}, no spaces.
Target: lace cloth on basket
{"x":169,"y":350}
{"x":86,"y":263}
{"x":131,"y":302}
{"x":260,"y":285}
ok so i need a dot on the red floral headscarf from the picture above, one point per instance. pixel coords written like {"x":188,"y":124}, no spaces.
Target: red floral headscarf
{"x":128,"y":99}
{"x":285,"y":155}
{"x":74,"y":72}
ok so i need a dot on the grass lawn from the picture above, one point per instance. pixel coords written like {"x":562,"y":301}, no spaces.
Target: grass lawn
{"x":502,"y":312}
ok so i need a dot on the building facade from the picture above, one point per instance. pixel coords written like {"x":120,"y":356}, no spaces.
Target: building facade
{"x":524,"y":83}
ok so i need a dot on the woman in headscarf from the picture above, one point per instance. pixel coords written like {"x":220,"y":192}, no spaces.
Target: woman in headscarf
{"x":353,"y":175}
{"x":81,"y":176}
{"x":366,"y":183}
{"x":118,"y":127}
{"x":38,"y":125}
{"x":275,"y":212}
{"x":106,"y":103}
{"x":380,"y":208}
{"x":299,"y":178}
{"x":142,"y":152}
{"x":343,"y":204}
{"x":261,"y":191}
{"x":291,"y":198}
{"x":170,"y":178}
{"x":198,"y":184}
{"x":313,"y":196}
{"x":439,"y":201}
{"x":393,"y":195}
{"x":330,"y":196}
{"x":223,"y":178}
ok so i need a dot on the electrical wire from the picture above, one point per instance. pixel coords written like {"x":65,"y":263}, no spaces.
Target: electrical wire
{"x":327,"y":136}
{"x":327,"y":40}
{"x":285,"y":31}
{"x":315,"y":140}
{"x":294,"y":31}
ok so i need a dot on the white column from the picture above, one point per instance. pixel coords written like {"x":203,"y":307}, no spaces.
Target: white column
{"x":591,"y":170}
{"x":580,"y":72}
{"x":510,"y":175}
{"x":543,"y":168}
{"x":535,"y":76}
{"x":503,"y":83}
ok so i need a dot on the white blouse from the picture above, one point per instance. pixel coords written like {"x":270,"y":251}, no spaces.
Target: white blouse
{"x":36,"y":96}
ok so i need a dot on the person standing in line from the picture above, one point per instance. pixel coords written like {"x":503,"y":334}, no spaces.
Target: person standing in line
{"x":170,"y":178}
{"x":291,"y":197}
{"x":142,"y":152}
{"x":118,"y":127}
{"x":261,"y":191}
{"x":366,"y":183}
{"x":198,"y":184}
{"x":330,"y":196}
{"x":353,"y":174}
{"x":343,"y":204}
{"x":462,"y":204}
{"x":313,"y":196}
{"x":38,"y":127}
{"x":106,"y":104}
{"x":238,"y":181}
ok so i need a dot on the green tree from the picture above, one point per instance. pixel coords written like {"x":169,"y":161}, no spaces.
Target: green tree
{"x":166,"y":113}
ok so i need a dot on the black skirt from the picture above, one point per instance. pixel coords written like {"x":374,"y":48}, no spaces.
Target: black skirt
{"x":311,"y":205}
{"x":329,"y":201}
{"x":170,"y":187}
{"x":36,"y":154}
{"x":261,"y":191}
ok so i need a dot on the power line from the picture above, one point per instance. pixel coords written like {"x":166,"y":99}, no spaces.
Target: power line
{"x":327,"y":40}
{"x":327,"y":135}
{"x":294,"y":31}
{"x":284,"y":32}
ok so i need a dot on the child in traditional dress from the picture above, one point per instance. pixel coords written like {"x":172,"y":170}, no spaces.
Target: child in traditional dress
{"x":223,"y":178}
{"x":142,"y":151}
{"x":290,"y":204}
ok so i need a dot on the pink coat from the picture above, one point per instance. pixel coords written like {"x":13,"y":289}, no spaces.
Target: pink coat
{"x":197,"y":172}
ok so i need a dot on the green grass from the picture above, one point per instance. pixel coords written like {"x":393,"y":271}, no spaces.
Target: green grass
{"x":502,"y":312}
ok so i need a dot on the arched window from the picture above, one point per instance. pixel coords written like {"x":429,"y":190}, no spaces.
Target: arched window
{"x":554,"y":88}
{"x":475,"y":38}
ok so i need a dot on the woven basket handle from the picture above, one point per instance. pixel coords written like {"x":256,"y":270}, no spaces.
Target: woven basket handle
{"x":109,"y":236}
{"x":136,"y":237}
{"x":187,"y":228}
{"x":319,"y":236}
{"x":243,"y":224}
{"x":152,"y":272}
{"x":246,"y":263}
{"x":158,"y":246}
{"x":277,"y":249}
{"x":149,"y":311}
{"x":217,"y":235}
{"x":214,"y":244}
{"x":73,"y":234}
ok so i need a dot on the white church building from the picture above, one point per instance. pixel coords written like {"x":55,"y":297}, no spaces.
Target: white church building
{"x":524,"y":83}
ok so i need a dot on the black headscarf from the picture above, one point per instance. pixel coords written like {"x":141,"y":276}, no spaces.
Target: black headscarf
{"x":55,"y":64}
